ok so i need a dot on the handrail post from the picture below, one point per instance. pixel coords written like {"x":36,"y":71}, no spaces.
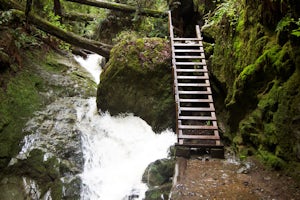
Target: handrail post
{"x":198,"y":32}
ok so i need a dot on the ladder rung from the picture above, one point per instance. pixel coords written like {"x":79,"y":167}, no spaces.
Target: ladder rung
{"x":192,"y":77}
{"x":198,"y":44}
{"x":218,"y":144}
{"x":209,"y":100}
{"x":189,"y":50}
{"x":191,"y":63}
{"x":197,"y":109}
{"x":199,"y":137}
{"x":192,"y":70}
{"x":204,"y":118}
{"x":188,"y":39}
{"x":191,"y":57}
{"x":198,"y":127}
{"x":194,"y":92}
{"x":193,"y":84}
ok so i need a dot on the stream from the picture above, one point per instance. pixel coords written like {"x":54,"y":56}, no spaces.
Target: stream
{"x":116,"y":150}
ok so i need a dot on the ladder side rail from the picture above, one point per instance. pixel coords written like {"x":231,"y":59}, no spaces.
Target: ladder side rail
{"x":175,"y":84}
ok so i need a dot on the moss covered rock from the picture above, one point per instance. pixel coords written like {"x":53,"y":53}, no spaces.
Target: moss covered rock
{"x":32,"y":77}
{"x":256,"y":64}
{"x":158,"y":177}
{"x":138,"y":79}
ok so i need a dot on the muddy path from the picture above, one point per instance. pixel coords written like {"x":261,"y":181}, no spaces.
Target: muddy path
{"x":201,"y":178}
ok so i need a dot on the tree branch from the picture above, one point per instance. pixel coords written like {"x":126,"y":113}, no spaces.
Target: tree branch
{"x":121,"y":7}
{"x":71,"y":38}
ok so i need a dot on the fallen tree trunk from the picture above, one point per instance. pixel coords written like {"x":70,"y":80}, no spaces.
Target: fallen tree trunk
{"x":79,"y":16}
{"x":121,"y":7}
{"x":71,"y":38}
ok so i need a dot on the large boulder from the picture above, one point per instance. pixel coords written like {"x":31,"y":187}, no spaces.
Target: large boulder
{"x":138,"y":79}
{"x":158,"y":177}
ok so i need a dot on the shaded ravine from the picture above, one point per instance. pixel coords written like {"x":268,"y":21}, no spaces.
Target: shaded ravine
{"x":95,"y":156}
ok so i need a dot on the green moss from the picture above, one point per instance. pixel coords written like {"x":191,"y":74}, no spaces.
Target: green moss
{"x":199,"y":7}
{"x":257,"y":65}
{"x":238,"y":140}
{"x":241,"y":22}
{"x":139,"y":71}
{"x":271,"y":160}
{"x":19,"y":100}
{"x":238,"y":44}
{"x":57,"y":189}
{"x":248,"y":71}
{"x":54,"y":66}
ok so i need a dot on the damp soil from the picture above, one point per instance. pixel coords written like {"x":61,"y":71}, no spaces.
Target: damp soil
{"x":204,"y":178}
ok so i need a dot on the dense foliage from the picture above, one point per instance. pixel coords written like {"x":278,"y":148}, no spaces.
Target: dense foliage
{"x":255,"y":63}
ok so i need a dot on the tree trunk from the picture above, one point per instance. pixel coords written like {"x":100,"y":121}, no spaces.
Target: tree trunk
{"x":57,"y":8}
{"x":71,"y":38}
{"x":121,"y":7}
{"x":79,"y":16}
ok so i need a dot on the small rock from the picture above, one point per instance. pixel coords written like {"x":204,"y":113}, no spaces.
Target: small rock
{"x":243,"y":170}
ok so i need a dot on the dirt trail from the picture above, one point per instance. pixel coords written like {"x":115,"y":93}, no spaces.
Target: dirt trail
{"x":201,"y":178}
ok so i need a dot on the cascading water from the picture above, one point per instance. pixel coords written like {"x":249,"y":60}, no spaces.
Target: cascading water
{"x":116,"y":150}
{"x":92,"y":65}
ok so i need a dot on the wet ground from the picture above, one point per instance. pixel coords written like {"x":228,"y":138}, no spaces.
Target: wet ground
{"x":201,"y":178}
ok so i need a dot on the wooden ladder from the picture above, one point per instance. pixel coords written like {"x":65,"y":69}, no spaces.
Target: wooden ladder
{"x":196,"y":118}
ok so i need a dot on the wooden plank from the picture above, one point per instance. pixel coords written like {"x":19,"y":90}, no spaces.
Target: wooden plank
{"x":197,"y":127}
{"x":201,"y":50}
{"x":193,"y":85}
{"x":191,"y":57}
{"x":193,"y":70}
{"x":209,"y":100}
{"x":204,"y":118}
{"x":199,"y":137}
{"x":188,"y":39}
{"x":200,"y":109}
{"x":198,"y":32}
{"x":194,"y":92}
{"x":193,"y":77}
{"x":188,"y":44}
{"x":191,"y":63}
{"x":180,"y":141}
{"x":218,"y":144}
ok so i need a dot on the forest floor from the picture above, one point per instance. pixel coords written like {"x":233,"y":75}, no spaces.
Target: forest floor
{"x":203,"y":178}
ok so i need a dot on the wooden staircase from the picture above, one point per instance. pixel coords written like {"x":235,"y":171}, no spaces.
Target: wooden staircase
{"x":196,"y":118}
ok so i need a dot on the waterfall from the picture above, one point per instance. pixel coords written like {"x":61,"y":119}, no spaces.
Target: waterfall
{"x":92,"y":65}
{"x":116,"y":150}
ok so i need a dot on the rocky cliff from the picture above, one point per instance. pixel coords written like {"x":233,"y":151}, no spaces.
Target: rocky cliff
{"x":255,"y":65}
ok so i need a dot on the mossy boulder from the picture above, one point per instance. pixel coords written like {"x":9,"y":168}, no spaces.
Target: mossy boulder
{"x":138,"y":79}
{"x":158,"y":177}
{"x":32,"y":77}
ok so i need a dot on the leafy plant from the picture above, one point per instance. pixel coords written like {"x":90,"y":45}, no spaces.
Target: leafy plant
{"x":288,"y":24}
{"x":5,"y":17}
{"x":54,"y":19}
{"x":23,"y":40}
{"x":296,"y":32}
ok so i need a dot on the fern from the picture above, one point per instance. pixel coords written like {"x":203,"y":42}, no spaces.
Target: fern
{"x":284,"y":23}
{"x":5,"y":17}
{"x":296,"y":32}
